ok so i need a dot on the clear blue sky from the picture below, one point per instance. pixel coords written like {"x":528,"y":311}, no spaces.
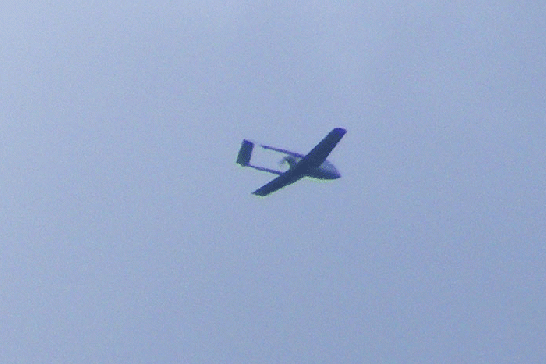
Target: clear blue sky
{"x":129,"y":234}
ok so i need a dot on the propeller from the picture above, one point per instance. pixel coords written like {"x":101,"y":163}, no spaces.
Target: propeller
{"x":291,"y":161}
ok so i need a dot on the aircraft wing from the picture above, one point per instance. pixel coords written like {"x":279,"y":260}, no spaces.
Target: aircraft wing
{"x":321,"y":151}
{"x":312,"y":160}
{"x":284,"y":179}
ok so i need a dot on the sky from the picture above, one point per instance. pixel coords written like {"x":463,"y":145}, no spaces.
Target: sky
{"x":129,"y":234}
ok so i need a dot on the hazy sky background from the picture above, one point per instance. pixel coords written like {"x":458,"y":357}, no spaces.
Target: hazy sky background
{"x":129,"y":234}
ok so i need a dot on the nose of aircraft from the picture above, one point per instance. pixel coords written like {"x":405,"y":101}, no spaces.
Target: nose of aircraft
{"x":333,"y":173}
{"x":326,"y":171}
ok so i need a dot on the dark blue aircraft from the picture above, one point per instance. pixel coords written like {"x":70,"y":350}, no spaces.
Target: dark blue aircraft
{"x":313,"y":165}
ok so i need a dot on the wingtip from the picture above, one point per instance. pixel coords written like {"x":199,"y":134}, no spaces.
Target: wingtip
{"x":256,"y":193}
{"x":340,"y":131}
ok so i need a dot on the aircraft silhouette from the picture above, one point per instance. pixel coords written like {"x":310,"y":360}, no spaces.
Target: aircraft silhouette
{"x":313,"y":164}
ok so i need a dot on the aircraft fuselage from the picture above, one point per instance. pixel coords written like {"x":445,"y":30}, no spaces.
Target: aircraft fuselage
{"x":313,"y":164}
{"x":325,"y":171}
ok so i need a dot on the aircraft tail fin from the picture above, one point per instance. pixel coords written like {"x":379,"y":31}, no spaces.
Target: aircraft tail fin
{"x":245,"y":153}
